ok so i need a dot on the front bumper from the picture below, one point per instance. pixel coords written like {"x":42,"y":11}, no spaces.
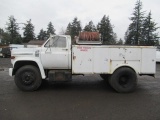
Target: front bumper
{"x":10,"y":71}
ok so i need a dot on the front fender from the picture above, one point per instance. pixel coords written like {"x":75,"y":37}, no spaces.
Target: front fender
{"x":26,"y":60}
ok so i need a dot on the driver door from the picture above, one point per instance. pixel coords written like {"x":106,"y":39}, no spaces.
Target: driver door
{"x":55,"y":54}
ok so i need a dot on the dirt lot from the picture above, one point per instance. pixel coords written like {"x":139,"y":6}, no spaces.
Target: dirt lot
{"x":85,"y":98}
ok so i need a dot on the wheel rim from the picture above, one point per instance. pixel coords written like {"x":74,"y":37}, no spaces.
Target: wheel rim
{"x":28,"y":78}
{"x":124,"y":81}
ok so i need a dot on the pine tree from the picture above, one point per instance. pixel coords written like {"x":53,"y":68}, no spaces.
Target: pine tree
{"x":1,"y":31}
{"x":75,"y":28}
{"x":68,"y":30}
{"x":128,"y":37}
{"x":106,"y":30}
{"x":12,"y":29}
{"x":120,"y":42}
{"x":28,"y":32}
{"x":134,"y":31}
{"x":50,"y":29}
{"x":42,"y":35}
{"x":4,"y":37}
{"x":90,"y":27}
{"x":1,"y":35}
{"x":149,"y":35}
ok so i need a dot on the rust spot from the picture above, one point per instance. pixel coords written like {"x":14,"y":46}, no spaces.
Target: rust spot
{"x":110,"y":61}
{"x":74,"y":57}
{"x":110,"y":66}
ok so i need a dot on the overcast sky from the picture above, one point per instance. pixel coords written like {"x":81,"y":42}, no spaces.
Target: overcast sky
{"x":61,"y":12}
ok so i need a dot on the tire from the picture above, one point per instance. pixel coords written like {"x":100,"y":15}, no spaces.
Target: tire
{"x":28,"y":78}
{"x":123,"y":80}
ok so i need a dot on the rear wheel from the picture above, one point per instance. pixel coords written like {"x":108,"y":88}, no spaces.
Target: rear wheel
{"x":123,"y":80}
{"x":28,"y":78}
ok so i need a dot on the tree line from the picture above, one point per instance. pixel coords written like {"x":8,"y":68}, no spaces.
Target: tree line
{"x":141,"y":31}
{"x":11,"y":34}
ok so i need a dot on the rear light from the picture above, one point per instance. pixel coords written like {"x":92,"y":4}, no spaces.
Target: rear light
{"x":12,"y":57}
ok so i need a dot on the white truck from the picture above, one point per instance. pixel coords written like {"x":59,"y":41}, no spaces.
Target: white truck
{"x":57,"y":60}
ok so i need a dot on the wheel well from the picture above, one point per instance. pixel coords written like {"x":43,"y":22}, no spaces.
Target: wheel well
{"x":19,"y":64}
{"x":125,"y":67}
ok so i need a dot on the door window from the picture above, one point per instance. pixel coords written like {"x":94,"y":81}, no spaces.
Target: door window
{"x":56,"y":41}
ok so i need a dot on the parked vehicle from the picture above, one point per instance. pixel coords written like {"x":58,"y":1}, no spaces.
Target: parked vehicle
{"x":57,"y":60}
{"x":6,"y":52}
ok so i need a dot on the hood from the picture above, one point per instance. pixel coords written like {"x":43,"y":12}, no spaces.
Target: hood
{"x":24,"y":51}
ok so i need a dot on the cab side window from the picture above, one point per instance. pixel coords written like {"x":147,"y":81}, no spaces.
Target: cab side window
{"x":57,"y":42}
{"x":60,"y":42}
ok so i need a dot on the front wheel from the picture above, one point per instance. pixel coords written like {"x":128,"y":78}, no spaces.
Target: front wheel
{"x":28,"y":78}
{"x":123,"y":80}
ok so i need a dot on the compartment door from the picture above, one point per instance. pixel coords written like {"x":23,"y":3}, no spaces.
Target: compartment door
{"x":82,"y":60}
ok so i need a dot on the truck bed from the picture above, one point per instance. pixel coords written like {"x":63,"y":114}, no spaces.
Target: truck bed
{"x":102,"y":59}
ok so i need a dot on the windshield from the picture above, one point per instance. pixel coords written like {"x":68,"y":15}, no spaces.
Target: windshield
{"x":56,"y":41}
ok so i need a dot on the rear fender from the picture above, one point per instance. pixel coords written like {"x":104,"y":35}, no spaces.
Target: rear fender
{"x":124,"y":65}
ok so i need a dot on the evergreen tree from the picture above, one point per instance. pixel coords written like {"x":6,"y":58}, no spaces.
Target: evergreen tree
{"x":4,"y":37}
{"x":42,"y":35}
{"x":133,"y":34}
{"x":120,"y":42}
{"x":1,"y":31}
{"x":1,"y":35}
{"x":90,"y":27}
{"x":106,"y":30}
{"x":75,"y":28}
{"x":12,"y":29}
{"x":28,"y":32}
{"x":68,"y":30}
{"x":129,"y":37}
{"x":50,"y":29}
{"x":149,"y":35}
